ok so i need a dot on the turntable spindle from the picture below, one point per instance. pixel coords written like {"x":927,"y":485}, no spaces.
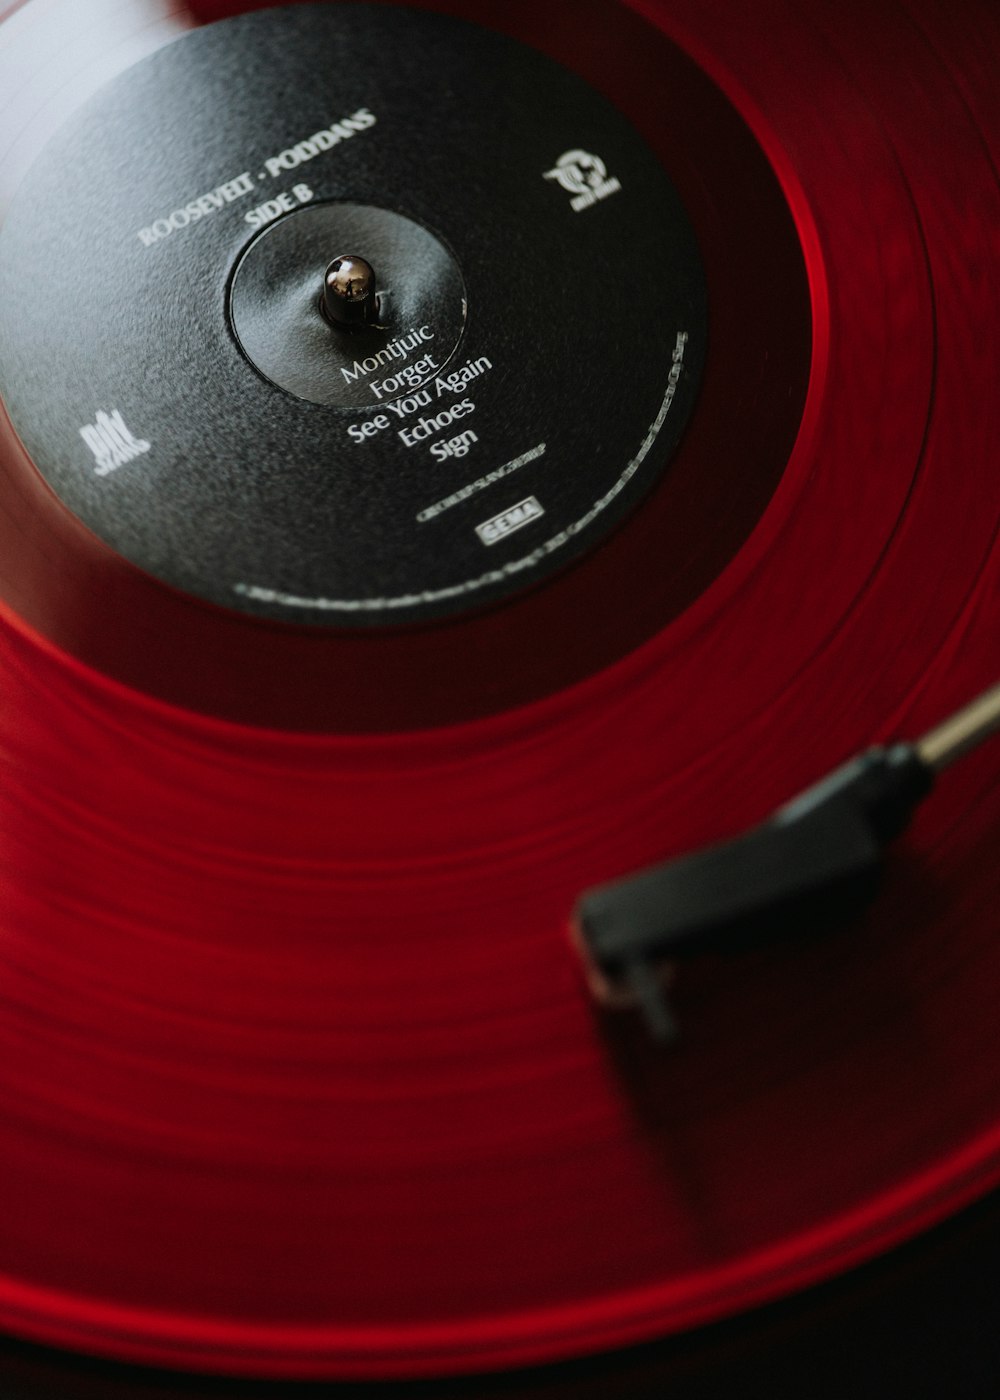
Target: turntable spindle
{"x":349,"y":296}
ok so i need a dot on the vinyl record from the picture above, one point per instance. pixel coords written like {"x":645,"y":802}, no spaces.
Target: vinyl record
{"x":312,"y":738}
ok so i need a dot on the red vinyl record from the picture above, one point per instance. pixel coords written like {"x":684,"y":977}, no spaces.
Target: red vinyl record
{"x":299,"y":1073}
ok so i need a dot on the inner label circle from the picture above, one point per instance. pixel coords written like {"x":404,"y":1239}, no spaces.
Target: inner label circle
{"x":478,"y":445}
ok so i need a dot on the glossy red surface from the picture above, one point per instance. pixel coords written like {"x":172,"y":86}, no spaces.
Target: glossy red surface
{"x":298,"y":1075}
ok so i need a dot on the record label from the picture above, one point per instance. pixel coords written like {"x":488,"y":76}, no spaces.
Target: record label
{"x":539,"y":334}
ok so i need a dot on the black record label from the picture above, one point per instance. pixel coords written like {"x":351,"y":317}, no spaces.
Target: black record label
{"x":530,"y":363}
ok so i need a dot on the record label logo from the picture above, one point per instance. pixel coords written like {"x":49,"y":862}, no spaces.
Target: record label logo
{"x":584,"y":176}
{"x":112,"y":443}
{"x":492,"y":531}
